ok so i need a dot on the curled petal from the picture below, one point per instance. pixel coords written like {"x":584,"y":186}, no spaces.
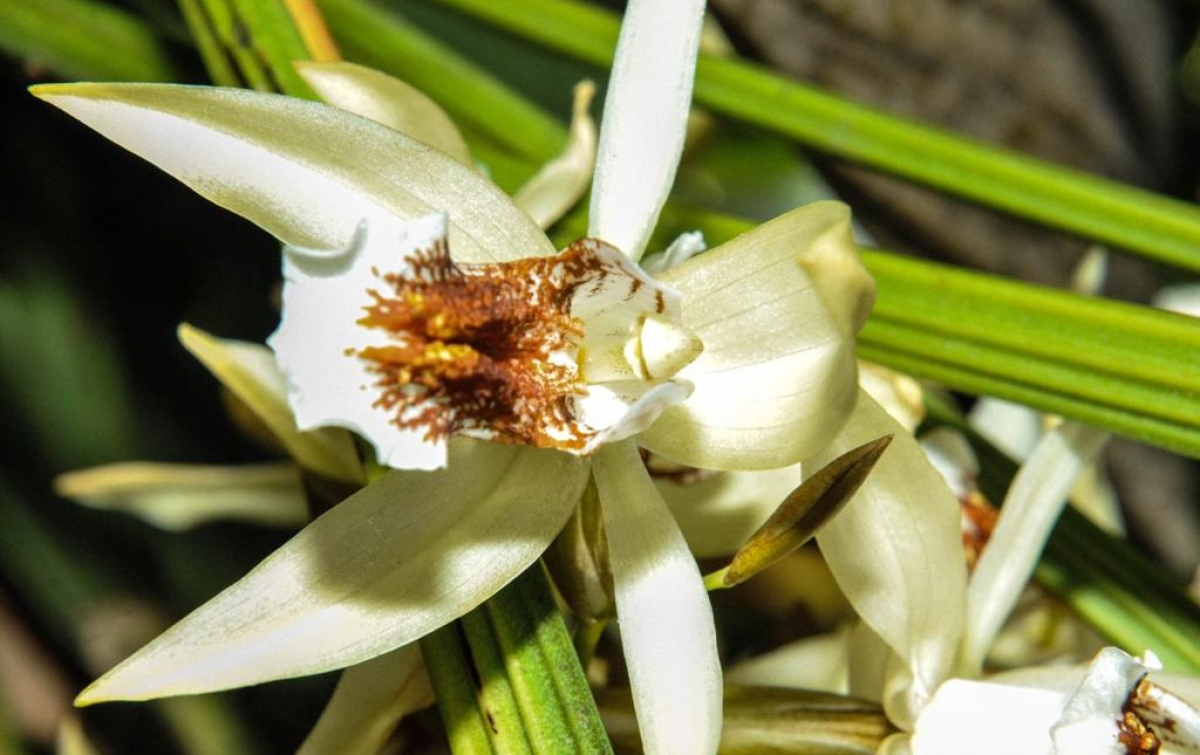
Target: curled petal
{"x":182,"y":496}
{"x":370,"y":700}
{"x":645,"y":120}
{"x":249,"y":371}
{"x":383,"y":568}
{"x":304,"y":171}
{"x":387,"y":100}
{"x":776,"y":309}
{"x":1030,"y":510}
{"x":562,"y":182}
{"x":663,"y":610}
{"x":896,"y":552}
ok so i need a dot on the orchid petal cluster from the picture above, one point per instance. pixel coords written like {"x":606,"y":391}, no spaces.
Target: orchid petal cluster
{"x":496,"y":376}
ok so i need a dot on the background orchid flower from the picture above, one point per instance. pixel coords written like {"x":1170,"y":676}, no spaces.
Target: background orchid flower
{"x":417,"y":549}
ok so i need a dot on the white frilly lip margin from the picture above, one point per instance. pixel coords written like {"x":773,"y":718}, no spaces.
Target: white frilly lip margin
{"x":324,"y":294}
{"x":663,"y":611}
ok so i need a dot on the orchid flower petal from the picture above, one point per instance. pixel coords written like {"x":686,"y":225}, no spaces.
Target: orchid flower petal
{"x":304,"y":171}
{"x":563,"y":181}
{"x":250,"y":372}
{"x":1030,"y":511}
{"x":645,"y":120}
{"x":896,"y":552}
{"x":989,"y":719}
{"x":815,"y":663}
{"x":370,"y":700}
{"x":777,"y":310}
{"x":1088,"y":724}
{"x":318,"y":338}
{"x":662,"y":608}
{"x":181,"y":496}
{"x":396,"y":560}
{"x":386,"y":100}
{"x":719,"y":511}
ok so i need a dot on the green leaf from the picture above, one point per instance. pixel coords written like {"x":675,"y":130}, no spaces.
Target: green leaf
{"x":1153,"y":225}
{"x":83,"y":39}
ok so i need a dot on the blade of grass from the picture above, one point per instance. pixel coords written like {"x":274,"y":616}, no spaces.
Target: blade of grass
{"x":83,"y":39}
{"x":1153,"y":225}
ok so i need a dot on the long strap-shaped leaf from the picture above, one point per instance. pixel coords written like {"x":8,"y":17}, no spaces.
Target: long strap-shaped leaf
{"x":1156,"y":226}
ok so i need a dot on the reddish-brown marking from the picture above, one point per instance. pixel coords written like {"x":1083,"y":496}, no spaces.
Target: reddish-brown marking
{"x":471,"y":346}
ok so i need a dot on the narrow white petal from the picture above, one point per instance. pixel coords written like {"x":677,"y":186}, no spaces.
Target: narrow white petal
{"x":896,"y":552}
{"x":777,"y":310}
{"x":181,"y":496}
{"x":1013,"y":428}
{"x":663,"y":611}
{"x":1030,"y":510}
{"x":386,"y":100}
{"x":563,"y":181}
{"x":324,"y":296}
{"x":304,"y":171}
{"x":250,"y":372}
{"x":369,"y":701}
{"x":719,"y":511}
{"x":645,"y":120}
{"x":386,"y":566}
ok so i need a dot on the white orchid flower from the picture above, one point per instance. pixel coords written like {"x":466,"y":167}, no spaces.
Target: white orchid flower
{"x":741,"y":358}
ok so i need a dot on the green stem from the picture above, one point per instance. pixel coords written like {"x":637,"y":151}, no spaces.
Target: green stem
{"x":450,"y":675}
{"x":505,"y":727}
{"x":216,"y":62}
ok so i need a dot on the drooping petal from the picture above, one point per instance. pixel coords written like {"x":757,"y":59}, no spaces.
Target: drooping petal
{"x":776,"y":309}
{"x":1030,"y":511}
{"x":250,"y":372}
{"x":383,"y":568}
{"x":896,"y":552}
{"x":181,"y":496}
{"x":718,"y":511}
{"x":662,"y":608}
{"x":645,"y":120}
{"x":563,"y":181}
{"x":306,"y":172}
{"x":387,"y":100}
{"x":369,"y":701}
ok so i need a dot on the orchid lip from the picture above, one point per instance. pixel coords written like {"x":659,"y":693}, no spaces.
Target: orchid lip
{"x":544,"y":351}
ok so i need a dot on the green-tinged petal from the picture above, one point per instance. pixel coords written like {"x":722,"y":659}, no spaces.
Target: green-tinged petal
{"x":181,"y":496}
{"x":563,"y":181}
{"x":249,"y":371}
{"x":645,"y":120}
{"x":665,"y":618}
{"x":717,"y":511}
{"x":304,"y":171}
{"x":386,"y":566}
{"x":370,"y":700}
{"x":387,"y":100}
{"x":896,"y":552}
{"x":1030,"y":511}
{"x":776,"y":309}
{"x":816,"y":663}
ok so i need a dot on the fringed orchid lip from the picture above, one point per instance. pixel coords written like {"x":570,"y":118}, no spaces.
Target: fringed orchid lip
{"x":567,"y":351}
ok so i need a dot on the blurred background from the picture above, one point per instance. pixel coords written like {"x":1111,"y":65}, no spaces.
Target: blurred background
{"x":102,"y":256}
